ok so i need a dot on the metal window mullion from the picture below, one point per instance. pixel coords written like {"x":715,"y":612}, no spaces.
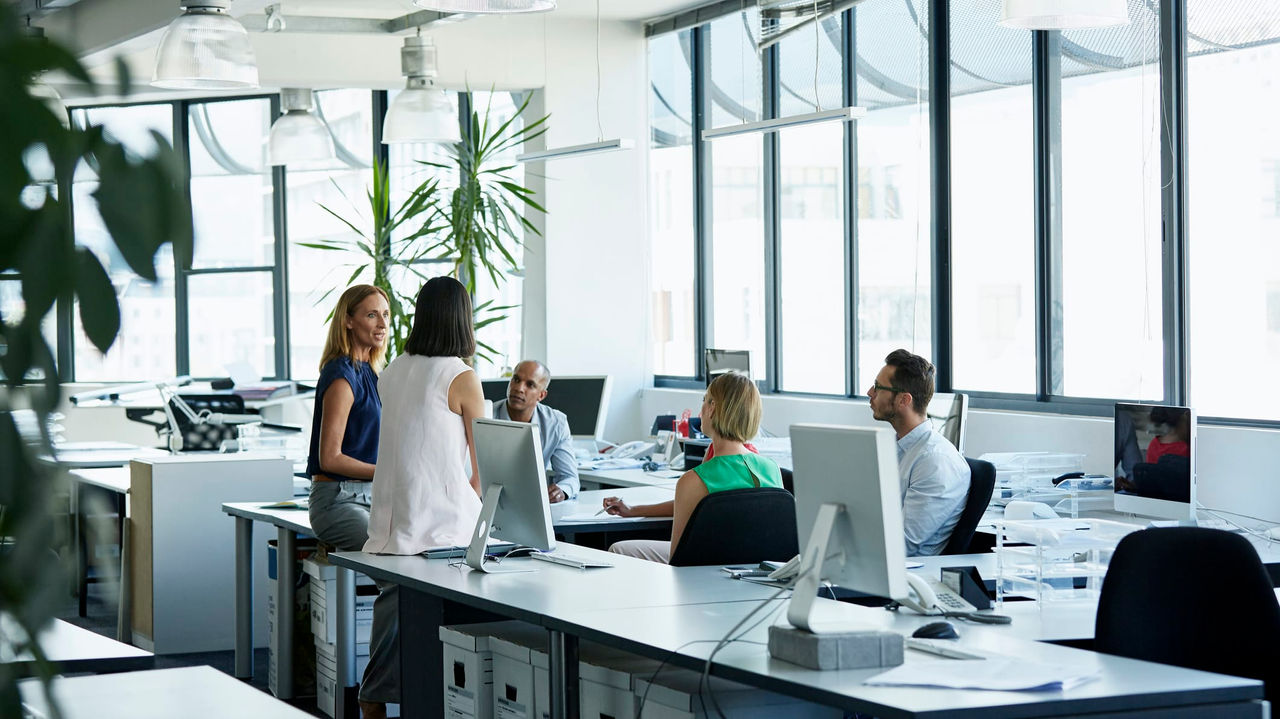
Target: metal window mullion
{"x":1046,"y":83}
{"x":280,"y":272}
{"x":1173,"y":200}
{"x":771,"y":162}
{"x":848,"y":48}
{"x":64,"y":307}
{"x":940,"y":170}
{"x":702,"y":198}
{"x":181,"y":314}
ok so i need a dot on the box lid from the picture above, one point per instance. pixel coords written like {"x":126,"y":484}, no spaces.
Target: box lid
{"x":476,"y":637}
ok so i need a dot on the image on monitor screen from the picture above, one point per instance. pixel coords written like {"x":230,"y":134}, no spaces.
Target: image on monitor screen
{"x":1155,"y":460}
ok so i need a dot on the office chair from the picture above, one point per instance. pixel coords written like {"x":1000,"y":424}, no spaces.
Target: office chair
{"x":740,"y":526}
{"x":788,"y":480}
{"x":1195,"y":598}
{"x":949,"y":413}
{"x":982,"y":480}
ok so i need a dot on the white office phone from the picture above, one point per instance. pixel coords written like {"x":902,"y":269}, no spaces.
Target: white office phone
{"x":636,"y":448}
{"x":926,"y":597}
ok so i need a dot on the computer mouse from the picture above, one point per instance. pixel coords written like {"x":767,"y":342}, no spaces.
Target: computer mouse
{"x":936,"y":630}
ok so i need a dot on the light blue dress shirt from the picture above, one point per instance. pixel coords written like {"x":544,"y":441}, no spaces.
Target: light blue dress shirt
{"x":935,"y":484}
{"x":557,"y":444}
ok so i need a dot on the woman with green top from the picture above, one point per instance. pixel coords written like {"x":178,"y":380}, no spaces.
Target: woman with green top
{"x":731,"y":412}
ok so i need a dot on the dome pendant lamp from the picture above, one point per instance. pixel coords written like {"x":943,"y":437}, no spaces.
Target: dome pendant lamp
{"x":204,"y":48}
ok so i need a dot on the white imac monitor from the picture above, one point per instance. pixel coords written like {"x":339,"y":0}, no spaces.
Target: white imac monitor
{"x":847,"y":490}
{"x":1155,"y":455}
{"x":584,"y":399}
{"x":514,"y":488}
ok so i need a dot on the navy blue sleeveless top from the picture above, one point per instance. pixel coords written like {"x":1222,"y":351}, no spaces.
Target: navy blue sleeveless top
{"x":360,"y":440}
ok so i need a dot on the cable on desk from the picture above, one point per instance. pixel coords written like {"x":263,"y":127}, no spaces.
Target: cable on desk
{"x":724,"y":642}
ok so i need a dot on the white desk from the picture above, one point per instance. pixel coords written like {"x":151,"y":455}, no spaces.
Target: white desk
{"x":71,"y":649}
{"x":604,"y":478}
{"x":655,"y":610}
{"x":188,"y":692}
{"x":114,"y":479}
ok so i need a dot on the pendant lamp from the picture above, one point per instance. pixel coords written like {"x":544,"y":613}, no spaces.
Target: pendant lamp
{"x":1063,"y":14}
{"x":204,"y":48}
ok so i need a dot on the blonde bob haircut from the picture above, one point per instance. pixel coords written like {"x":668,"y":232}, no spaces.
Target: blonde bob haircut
{"x":338,"y":342}
{"x":738,"y":409}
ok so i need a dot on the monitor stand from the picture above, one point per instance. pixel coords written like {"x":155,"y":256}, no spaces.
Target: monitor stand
{"x":480,"y":538}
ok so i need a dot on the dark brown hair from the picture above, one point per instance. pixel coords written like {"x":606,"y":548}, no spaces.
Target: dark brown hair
{"x":914,"y":374}
{"x":442,"y":321}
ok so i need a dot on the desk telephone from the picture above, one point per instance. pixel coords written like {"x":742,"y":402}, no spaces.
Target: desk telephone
{"x":927,"y":596}
{"x":636,"y":448}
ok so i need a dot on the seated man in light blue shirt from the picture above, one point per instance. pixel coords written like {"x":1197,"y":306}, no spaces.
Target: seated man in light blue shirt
{"x":528,"y":387}
{"x":934,"y":476}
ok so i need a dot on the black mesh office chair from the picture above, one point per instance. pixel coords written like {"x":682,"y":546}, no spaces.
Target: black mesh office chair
{"x":740,"y":526}
{"x":788,"y":480}
{"x":982,"y":480}
{"x":1192,"y":597}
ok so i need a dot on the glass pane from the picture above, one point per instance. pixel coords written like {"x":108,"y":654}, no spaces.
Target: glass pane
{"x":671,"y":228}
{"x":145,"y":348}
{"x":1111,"y":229}
{"x":812,"y":259}
{"x":892,"y":230}
{"x":232,"y":199}
{"x":318,"y":277}
{"x":1234,"y":209}
{"x":992,"y":204}
{"x":12,"y":309}
{"x":735,"y":84}
{"x":809,"y":67}
{"x":231,"y":322}
{"x":737,"y":248}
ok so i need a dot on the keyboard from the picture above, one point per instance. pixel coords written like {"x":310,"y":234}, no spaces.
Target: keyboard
{"x":569,"y":560}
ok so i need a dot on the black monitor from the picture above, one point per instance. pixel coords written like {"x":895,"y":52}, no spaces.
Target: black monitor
{"x":583,"y":399}
{"x":718,"y":362}
{"x":1155,"y":464}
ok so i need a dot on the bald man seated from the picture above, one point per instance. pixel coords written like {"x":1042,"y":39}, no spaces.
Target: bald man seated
{"x":528,"y":388}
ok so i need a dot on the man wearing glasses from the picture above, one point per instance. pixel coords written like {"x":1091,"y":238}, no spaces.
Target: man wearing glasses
{"x":935,"y":478}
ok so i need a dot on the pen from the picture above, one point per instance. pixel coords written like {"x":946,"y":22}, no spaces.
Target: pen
{"x":602,"y":511}
{"x":923,"y":645}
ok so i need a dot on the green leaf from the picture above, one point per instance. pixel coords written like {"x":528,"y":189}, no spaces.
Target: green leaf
{"x":99,"y":311}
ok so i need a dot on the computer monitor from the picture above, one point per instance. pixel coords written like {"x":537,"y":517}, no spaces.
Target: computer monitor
{"x":1155,"y":462}
{"x":584,"y":400}
{"x":718,"y":362}
{"x":847,"y":490}
{"x":514,"y":488}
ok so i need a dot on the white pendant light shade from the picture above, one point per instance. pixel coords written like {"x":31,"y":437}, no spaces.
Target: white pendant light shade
{"x":487,"y":6}
{"x":1063,"y":14}
{"x":204,"y":48}
{"x":298,"y":136}
{"x":422,"y":112}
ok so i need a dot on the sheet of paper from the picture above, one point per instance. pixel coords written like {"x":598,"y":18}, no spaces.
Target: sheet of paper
{"x":591,"y":516}
{"x":993,"y":673}
{"x":242,"y":373}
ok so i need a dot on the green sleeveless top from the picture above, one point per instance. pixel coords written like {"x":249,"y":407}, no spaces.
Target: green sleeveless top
{"x":738,"y":471}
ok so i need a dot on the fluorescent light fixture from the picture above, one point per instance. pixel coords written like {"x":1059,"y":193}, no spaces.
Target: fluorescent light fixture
{"x":844,"y":114}
{"x":204,"y":48}
{"x":590,"y":148}
{"x":421,"y":112}
{"x":486,"y":6}
{"x":298,"y":136}
{"x":1063,"y":14}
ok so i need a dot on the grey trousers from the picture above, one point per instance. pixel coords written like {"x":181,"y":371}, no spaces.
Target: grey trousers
{"x":653,"y":550}
{"x":339,"y":514}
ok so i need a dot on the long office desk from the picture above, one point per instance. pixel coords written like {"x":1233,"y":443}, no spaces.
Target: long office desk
{"x":636,"y":477}
{"x":114,"y":480}
{"x":292,"y":523}
{"x":71,"y":649}
{"x":675,"y":614}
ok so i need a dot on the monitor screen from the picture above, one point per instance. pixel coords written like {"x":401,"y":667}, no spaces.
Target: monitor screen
{"x":717,"y":362}
{"x":1155,"y":460}
{"x":583,"y":399}
{"x":509,"y":454}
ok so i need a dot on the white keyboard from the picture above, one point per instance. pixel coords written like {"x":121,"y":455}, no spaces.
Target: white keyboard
{"x":569,"y":560}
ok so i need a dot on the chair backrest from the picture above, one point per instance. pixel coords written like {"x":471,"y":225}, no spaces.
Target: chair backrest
{"x":739,"y":526}
{"x":982,"y":481}
{"x":788,"y":480}
{"x":1192,"y":597}
{"x":948,"y":412}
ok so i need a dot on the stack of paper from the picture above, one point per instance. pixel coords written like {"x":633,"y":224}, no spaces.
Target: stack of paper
{"x":993,"y":673}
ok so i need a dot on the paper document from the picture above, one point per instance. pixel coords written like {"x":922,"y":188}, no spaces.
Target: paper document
{"x":994,"y":673}
{"x":612,"y":463}
{"x":593,"y":517}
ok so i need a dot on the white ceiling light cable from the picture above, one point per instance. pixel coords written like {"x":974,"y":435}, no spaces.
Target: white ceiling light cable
{"x":298,"y":135}
{"x":422,"y":112}
{"x":487,"y":6}
{"x":204,"y":48}
{"x":590,"y":148}
{"x":1063,"y":14}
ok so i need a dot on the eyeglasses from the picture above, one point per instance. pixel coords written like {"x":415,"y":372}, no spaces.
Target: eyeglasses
{"x":881,"y":388}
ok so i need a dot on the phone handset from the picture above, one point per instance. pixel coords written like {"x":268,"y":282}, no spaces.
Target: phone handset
{"x":933,"y":597}
{"x":634,"y":448}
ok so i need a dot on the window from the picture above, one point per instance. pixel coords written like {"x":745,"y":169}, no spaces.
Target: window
{"x":1234,"y":168}
{"x":145,"y":348}
{"x":671,"y":223}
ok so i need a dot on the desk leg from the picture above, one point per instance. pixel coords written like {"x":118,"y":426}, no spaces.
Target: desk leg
{"x":421,"y":652}
{"x":563,"y":668}
{"x":244,"y":598}
{"x":346,"y":641}
{"x":124,"y":610}
{"x":78,"y":540}
{"x":286,"y":589}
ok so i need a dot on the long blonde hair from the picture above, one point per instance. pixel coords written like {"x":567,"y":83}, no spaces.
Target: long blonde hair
{"x":338,"y":342}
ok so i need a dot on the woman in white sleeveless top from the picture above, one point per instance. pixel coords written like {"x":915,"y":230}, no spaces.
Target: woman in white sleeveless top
{"x":426,"y":487}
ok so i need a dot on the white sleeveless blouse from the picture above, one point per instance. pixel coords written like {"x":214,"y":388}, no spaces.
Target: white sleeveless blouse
{"x":422,"y":496}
